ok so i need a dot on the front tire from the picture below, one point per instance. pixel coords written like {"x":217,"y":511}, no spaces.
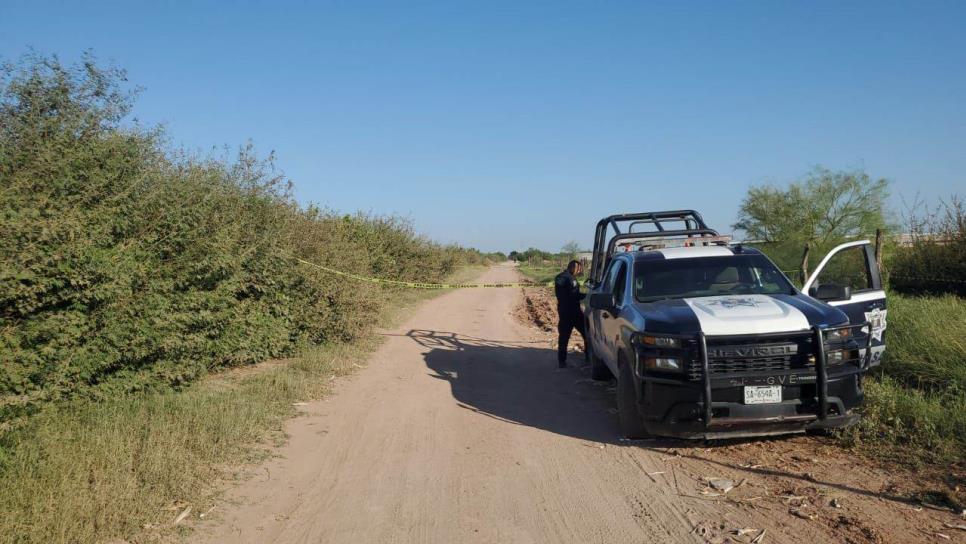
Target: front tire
{"x":632,"y":424}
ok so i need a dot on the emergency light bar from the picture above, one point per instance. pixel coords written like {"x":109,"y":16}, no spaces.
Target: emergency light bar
{"x":701,"y":241}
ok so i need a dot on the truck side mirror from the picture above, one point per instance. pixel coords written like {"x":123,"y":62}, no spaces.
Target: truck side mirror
{"x":602,"y":301}
{"x":830,"y":291}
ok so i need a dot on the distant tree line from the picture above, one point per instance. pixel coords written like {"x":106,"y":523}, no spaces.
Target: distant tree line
{"x":539,"y":257}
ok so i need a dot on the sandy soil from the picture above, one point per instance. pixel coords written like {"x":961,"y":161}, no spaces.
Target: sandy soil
{"x":461,"y":430}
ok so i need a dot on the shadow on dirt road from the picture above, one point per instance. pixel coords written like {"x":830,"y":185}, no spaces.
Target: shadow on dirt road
{"x":518,"y":383}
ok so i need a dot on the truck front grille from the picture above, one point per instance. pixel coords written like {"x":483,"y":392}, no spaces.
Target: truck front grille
{"x":747,"y":355}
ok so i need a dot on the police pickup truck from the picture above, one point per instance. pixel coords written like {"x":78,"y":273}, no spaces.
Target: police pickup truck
{"x":709,"y":339}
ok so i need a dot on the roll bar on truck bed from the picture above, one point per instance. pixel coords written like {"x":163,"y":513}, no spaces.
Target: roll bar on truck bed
{"x":666,"y":224}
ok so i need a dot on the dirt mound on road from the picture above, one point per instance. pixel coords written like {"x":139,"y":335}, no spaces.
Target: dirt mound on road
{"x":538,"y":309}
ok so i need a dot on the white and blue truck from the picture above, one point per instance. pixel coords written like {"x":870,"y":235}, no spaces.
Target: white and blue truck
{"x":709,"y":339}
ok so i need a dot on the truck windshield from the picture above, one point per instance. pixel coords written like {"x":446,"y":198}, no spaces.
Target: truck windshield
{"x":708,"y":276}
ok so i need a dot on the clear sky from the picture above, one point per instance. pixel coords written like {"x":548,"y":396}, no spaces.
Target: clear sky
{"x":503,"y":125}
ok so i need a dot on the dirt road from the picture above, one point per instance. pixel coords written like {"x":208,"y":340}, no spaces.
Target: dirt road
{"x":461,"y":430}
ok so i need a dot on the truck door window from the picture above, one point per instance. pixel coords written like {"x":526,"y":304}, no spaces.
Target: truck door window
{"x":615,"y":269}
{"x":606,"y":284}
{"x":847,"y":268}
{"x":620,"y":283}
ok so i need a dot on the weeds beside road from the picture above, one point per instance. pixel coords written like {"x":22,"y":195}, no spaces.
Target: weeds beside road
{"x":916,"y":402}
{"x":539,"y":275}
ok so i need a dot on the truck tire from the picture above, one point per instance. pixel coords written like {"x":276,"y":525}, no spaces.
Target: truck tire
{"x":632,"y":425}
{"x":598,"y":370}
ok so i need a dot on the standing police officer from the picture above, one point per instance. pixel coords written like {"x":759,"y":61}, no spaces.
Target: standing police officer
{"x":567,"y":290}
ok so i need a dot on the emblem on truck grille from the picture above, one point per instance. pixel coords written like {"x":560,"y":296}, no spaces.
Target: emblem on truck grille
{"x":741,"y":352}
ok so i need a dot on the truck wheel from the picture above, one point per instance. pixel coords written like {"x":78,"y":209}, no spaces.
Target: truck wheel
{"x":632,"y":425}
{"x":598,"y":370}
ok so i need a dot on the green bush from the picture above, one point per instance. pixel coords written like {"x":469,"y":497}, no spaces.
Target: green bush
{"x":124,"y":266}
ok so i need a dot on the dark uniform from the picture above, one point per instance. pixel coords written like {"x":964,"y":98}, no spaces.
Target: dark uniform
{"x":568,"y":293}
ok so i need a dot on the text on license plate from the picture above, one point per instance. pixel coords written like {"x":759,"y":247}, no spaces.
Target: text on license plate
{"x":763,"y":394}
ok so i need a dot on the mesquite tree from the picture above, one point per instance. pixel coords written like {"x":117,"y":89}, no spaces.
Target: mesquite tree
{"x":813,"y":213}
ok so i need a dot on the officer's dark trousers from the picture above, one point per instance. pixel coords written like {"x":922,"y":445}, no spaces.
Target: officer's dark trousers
{"x":569,"y":320}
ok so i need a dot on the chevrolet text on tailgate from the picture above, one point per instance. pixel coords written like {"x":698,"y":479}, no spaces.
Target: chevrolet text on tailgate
{"x":708,"y":339}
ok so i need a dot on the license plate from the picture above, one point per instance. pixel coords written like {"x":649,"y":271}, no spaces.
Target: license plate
{"x":763,"y":394}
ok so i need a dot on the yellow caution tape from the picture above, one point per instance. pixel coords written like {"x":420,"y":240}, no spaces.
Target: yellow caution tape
{"x":419,"y":285}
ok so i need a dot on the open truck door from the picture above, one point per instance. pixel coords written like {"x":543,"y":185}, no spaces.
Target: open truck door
{"x":848,"y":278}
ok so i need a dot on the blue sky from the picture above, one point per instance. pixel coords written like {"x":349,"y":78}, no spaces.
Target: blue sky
{"x":505,"y":125}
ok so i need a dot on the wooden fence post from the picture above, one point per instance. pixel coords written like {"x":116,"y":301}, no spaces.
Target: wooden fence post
{"x":878,"y":249}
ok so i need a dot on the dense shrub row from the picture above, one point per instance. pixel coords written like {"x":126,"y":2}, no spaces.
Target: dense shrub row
{"x":124,"y":266}
{"x":935,"y":262}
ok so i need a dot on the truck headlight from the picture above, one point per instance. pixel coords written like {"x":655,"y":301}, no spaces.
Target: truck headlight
{"x":840,"y":356}
{"x":672,"y":364}
{"x":661,"y":341}
{"x":838,"y":335}
{"x":835,"y":357}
